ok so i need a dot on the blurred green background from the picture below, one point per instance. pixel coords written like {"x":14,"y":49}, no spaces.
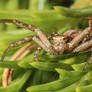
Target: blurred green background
{"x":42,"y":14}
{"x":32,"y":5}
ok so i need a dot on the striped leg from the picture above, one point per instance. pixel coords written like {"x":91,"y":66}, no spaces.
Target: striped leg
{"x":74,"y":43}
{"x":83,"y":47}
{"x":27,"y":39}
{"x":40,"y":34}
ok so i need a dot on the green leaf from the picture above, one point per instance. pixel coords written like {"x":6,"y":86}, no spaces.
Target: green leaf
{"x":9,"y":64}
{"x":47,"y":66}
{"x":52,"y":86}
{"x":48,"y":20}
{"x":73,"y":86}
{"x":87,"y":88}
{"x":70,"y":74}
{"x":76,"y":13}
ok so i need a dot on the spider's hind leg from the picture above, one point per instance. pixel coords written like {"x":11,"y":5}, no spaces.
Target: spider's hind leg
{"x":74,"y":43}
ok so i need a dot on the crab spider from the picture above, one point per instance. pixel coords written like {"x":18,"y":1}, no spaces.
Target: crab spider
{"x":72,"y":41}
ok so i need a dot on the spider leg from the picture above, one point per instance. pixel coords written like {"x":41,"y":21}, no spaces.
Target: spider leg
{"x":82,"y":35}
{"x":27,"y":39}
{"x":74,"y":43}
{"x":90,"y":21}
{"x":82,"y":47}
{"x":15,"y":44}
{"x":42,"y":45}
{"x":40,"y":34}
{"x":37,"y":53}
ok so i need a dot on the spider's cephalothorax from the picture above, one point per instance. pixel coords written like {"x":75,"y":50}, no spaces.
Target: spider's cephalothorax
{"x":59,"y":43}
{"x":72,"y":41}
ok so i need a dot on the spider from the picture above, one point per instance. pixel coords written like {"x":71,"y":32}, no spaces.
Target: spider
{"x":72,"y":41}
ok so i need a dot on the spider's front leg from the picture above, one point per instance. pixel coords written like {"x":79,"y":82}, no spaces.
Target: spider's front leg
{"x":41,"y":35}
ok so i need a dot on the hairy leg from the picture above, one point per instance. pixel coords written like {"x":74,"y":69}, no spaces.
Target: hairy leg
{"x":41,"y":34}
{"x":27,"y":39}
{"x":90,"y":21}
{"x":74,"y":43}
{"x":42,"y":45}
{"x":83,"y":47}
{"x":15,"y":44}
